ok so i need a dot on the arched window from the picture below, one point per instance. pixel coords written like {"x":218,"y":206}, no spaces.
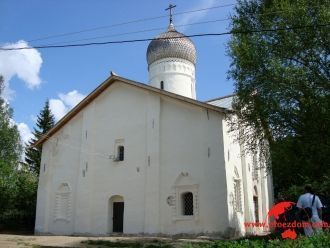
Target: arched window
{"x":237,"y":191}
{"x":238,"y":199}
{"x":187,"y":200}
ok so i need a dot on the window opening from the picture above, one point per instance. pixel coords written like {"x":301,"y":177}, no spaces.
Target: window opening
{"x":187,"y":204}
{"x":254,"y":168}
{"x":120,"y":156}
{"x":238,"y":200}
{"x":256,"y":208}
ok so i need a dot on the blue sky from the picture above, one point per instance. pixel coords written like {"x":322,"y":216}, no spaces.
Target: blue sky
{"x":66,"y":75}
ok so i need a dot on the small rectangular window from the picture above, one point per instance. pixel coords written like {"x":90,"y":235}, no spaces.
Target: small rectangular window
{"x":120,"y":153}
{"x":161,"y":85}
{"x":119,"y":150}
{"x":187,"y":204}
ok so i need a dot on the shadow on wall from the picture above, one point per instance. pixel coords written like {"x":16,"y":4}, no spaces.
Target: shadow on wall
{"x":236,"y":228}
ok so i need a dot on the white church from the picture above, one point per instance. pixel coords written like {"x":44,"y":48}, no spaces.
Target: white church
{"x":150,"y":159}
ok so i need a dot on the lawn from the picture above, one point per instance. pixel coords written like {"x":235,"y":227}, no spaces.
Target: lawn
{"x":317,"y":241}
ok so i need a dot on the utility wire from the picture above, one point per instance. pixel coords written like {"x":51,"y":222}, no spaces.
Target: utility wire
{"x":139,"y":31}
{"x":155,"y":29}
{"x":189,"y":36}
{"x":126,"y":23}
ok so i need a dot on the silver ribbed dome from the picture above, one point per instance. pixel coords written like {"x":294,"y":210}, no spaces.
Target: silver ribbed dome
{"x":164,"y":47}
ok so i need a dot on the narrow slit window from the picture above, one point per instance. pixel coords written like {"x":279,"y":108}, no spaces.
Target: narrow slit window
{"x":121,"y":151}
{"x":161,"y":85}
{"x":254,"y":168}
{"x":238,"y":199}
{"x":256,"y":208}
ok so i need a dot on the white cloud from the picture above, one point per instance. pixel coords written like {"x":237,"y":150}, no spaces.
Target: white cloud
{"x":64,"y":103}
{"x":58,"y":108}
{"x":25,"y":132}
{"x":25,"y":64}
{"x":26,"y":135}
{"x":196,"y":16}
{"x":72,"y":98}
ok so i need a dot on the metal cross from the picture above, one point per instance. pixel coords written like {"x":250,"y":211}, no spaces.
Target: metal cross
{"x":170,"y":7}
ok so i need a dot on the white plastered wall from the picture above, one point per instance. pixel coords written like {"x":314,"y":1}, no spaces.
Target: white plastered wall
{"x":60,"y":164}
{"x":234,"y":171}
{"x":191,"y":158}
{"x":170,"y":146}
{"x":237,"y":157}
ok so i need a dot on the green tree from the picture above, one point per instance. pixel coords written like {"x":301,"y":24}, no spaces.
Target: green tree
{"x":45,"y":121}
{"x":10,"y":143}
{"x":10,"y":152}
{"x":282,"y":84}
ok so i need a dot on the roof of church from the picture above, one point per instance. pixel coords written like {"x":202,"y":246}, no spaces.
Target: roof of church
{"x":107,"y":83}
{"x":223,"y":102}
{"x":171,"y":44}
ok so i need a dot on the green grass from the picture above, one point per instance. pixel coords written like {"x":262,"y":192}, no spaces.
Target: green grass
{"x":317,"y":241}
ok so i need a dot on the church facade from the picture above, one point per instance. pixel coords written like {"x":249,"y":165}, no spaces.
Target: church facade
{"x":150,"y":159}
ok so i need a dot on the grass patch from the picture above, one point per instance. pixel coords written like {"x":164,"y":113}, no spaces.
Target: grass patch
{"x":317,"y":241}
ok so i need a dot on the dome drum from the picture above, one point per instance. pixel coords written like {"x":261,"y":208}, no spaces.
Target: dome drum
{"x":171,"y":58}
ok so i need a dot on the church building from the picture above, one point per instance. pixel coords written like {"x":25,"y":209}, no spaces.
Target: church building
{"x":139,"y":158}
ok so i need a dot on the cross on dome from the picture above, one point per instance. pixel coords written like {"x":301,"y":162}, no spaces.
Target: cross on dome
{"x":171,"y":44}
{"x":171,"y":58}
{"x":170,"y":7}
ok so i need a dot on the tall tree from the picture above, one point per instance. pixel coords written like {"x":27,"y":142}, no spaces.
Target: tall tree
{"x":282,"y":84}
{"x":10,"y":152}
{"x":10,"y":144}
{"x":45,"y":121}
